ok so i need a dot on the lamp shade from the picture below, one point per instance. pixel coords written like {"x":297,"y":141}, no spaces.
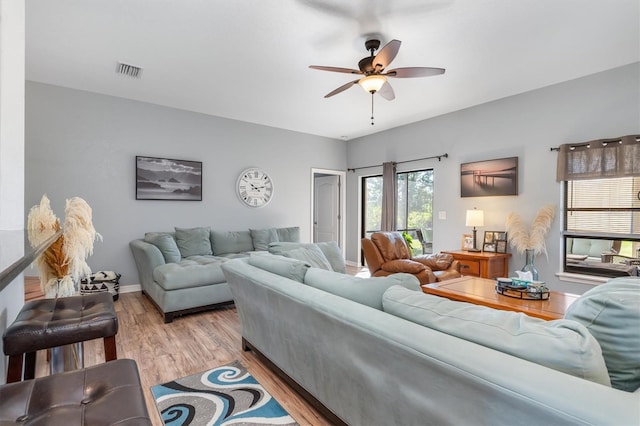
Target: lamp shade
{"x":475,"y":218}
{"x":372,"y":83}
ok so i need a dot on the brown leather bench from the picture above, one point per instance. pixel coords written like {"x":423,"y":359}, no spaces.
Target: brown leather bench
{"x":50,"y":323}
{"x":104,"y":394}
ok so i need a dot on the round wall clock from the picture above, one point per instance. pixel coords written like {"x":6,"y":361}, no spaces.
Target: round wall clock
{"x":254,"y":187}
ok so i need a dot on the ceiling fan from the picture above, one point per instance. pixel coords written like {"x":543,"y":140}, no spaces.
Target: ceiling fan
{"x":373,"y":69}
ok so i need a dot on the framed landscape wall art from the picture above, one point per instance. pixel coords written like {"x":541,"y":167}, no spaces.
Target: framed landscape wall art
{"x":168,"y":179}
{"x":489,"y":178}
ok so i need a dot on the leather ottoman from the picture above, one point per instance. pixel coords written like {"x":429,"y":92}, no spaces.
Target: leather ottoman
{"x":49,"y":323}
{"x":104,"y":394}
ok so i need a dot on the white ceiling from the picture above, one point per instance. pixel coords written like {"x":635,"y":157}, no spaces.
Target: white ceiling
{"x":248,"y":59}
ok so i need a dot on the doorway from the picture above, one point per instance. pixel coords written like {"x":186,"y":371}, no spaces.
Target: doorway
{"x":328,"y":206}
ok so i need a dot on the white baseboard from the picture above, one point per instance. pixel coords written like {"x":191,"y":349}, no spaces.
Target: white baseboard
{"x":130,"y":288}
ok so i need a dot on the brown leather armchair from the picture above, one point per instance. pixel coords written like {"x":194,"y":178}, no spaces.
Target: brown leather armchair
{"x":387,"y":253}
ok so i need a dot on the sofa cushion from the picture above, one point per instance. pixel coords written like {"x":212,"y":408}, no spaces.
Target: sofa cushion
{"x":312,"y":255}
{"x":611,"y":313}
{"x":330,"y":250}
{"x":334,"y":255}
{"x":591,"y":247}
{"x":290,"y":234}
{"x":289,"y":268}
{"x":194,"y":241}
{"x":167,"y":245}
{"x":262,"y":237}
{"x":195,"y":271}
{"x":366,"y":291}
{"x":231,"y":242}
{"x":563,"y":345}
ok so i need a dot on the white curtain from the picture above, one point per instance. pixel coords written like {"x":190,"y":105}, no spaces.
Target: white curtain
{"x":388,"y":222}
{"x":602,"y":158}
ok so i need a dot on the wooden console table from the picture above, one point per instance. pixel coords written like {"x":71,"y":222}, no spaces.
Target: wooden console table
{"x":481,"y":291}
{"x":482,"y":264}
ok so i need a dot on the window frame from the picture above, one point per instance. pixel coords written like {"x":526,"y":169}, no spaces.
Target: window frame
{"x":593,"y":268}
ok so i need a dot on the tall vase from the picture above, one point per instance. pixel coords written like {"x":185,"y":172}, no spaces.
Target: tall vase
{"x":529,"y":266}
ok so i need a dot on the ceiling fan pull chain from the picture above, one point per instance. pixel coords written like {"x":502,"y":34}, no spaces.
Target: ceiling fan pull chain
{"x":372,"y":108}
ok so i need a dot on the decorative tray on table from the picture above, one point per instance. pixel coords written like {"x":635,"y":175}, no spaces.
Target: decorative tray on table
{"x":522,"y":289}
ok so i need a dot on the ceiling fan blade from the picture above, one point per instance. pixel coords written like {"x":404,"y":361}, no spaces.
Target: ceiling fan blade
{"x":386,"y":54}
{"x":342,"y":88}
{"x":335,"y":69}
{"x":386,"y":91}
{"x":411,"y":72}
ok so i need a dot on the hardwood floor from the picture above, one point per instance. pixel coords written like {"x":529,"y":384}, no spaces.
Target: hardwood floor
{"x":188,"y":345}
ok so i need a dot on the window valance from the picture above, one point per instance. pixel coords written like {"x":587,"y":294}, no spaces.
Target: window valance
{"x":602,"y":158}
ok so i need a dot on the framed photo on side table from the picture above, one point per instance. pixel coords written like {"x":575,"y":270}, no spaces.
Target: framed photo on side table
{"x":495,"y":242}
{"x":467,"y":241}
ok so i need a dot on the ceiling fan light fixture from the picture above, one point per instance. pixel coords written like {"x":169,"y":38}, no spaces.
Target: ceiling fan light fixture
{"x":372,"y":83}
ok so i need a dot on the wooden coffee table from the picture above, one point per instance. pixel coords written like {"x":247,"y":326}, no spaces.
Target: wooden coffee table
{"x":481,"y":291}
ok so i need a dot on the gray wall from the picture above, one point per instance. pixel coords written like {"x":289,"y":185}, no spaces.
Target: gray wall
{"x":84,"y":144}
{"x":598,"y":106}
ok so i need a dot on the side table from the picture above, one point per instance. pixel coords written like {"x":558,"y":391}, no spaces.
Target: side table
{"x":482,"y":264}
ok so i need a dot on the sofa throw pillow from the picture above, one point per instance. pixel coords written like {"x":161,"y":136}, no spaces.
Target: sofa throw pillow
{"x":312,"y":255}
{"x":289,"y":268}
{"x":563,"y":345}
{"x":262,"y":237}
{"x":330,"y":250}
{"x":366,"y":291}
{"x":231,"y":242}
{"x":291,"y":234}
{"x":194,"y":241}
{"x":334,"y":255}
{"x":166,"y":244}
{"x":611,"y":313}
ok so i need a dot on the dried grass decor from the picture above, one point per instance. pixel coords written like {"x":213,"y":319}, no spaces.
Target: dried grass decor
{"x":522,"y":238}
{"x":63,"y":264}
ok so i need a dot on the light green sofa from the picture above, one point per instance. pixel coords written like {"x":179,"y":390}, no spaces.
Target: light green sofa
{"x":378,"y":351}
{"x":180,"y":270}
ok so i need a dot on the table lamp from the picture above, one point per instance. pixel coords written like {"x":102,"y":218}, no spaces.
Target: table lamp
{"x":474,"y":218}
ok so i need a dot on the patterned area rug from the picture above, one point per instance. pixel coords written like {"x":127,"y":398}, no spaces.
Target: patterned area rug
{"x":226,"y":395}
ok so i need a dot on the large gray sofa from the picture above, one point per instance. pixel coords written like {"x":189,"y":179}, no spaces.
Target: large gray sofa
{"x":180,"y":270}
{"x":378,"y":351}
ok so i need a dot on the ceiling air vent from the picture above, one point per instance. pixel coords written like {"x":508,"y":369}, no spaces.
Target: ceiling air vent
{"x":129,"y":70}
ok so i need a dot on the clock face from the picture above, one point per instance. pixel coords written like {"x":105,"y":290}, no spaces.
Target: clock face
{"x":255,"y":187}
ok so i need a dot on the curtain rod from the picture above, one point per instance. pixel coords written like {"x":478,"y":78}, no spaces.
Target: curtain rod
{"x":439,"y":157}
{"x":603,"y":142}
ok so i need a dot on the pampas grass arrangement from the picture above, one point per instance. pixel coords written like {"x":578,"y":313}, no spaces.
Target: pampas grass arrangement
{"x":63,"y":264}
{"x":522,"y":239}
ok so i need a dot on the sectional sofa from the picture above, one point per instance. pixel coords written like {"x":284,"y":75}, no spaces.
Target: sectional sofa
{"x":378,"y":351}
{"x":180,"y":270}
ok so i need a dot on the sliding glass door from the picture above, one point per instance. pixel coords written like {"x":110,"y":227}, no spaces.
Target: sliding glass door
{"x":414,"y":206}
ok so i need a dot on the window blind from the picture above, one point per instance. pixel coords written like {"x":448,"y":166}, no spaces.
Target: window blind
{"x":603,"y":206}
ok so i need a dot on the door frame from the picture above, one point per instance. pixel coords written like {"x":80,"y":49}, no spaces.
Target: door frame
{"x":342,"y":177}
